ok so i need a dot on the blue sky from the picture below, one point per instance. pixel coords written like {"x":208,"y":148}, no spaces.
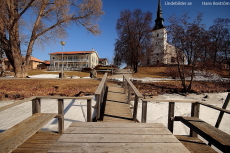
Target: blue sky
{"x":79,"y":39}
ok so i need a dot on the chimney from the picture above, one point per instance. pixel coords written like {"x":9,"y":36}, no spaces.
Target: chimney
{"x":92,"y":49}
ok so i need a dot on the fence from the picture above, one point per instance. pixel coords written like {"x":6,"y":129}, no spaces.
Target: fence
{"x":128,"y":85}
{"x":99,"y":95}
{"x":36,"y":107}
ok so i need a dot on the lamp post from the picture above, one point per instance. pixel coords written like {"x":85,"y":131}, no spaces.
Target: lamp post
{"x":62,"y":43}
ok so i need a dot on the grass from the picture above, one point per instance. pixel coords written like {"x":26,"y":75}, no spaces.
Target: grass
{"x":153,"y":72}
{"x":23,"y":88}
{"x":68,"y":73}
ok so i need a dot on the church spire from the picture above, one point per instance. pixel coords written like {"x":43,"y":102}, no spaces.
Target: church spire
{"x":159,"y":22}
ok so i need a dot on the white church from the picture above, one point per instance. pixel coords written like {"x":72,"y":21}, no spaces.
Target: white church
{"x":163,"y":52}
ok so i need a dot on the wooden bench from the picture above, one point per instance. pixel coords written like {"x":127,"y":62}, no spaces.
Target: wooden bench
{"x":19,"y":133}
{"x":218,"y":138}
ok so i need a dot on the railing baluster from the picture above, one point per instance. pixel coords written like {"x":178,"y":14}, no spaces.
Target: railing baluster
{"x":135,"y":108}
{"x":171,"y":116}
{"x":60,"y":116}
{"x":194,"y":113}
{"x":89,"y":114}
{"x":144,"y":112}
{"x":129,"y":94}
{"x":36,"y":105}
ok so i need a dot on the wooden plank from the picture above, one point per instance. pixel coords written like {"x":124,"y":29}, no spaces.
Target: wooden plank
{"x":63,"y":97}
{"x":16,"y":103}
{"x":166,"y":100}
{"x":119,"y":147}
{"x":137,"y":131}
{"x":117,"y":138}
{"x":222,"y":113}
{"x":61,"y":116}
{"x":218,"y":138}
{"x":195,"y":145}
{"x":144,"y":112}
{"x":89,"y":113}
{"x":171,"y":116}
{"x":101,"y":85}
{"x":16,"y":135}
{"x":216,"y":108}
{"x":139,"y":95}
{"x":117,"y":125}
{"x":195,"y":112}
{"x":117,"y":109}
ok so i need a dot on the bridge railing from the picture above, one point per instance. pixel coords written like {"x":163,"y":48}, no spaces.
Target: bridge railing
{"x":128,"y":86}
{"x":36,"y":107}
{"x":195,"y":109}
{"x":99,"y":94}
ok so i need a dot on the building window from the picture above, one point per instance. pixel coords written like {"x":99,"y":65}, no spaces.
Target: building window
{"x":173,"y":59}
{"x":158,"y":35}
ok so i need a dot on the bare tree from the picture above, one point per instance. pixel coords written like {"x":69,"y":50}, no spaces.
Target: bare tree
{"x":134,"y":37}
{"x":24,"y":22}
{"x":186,"y":36}
{"x":220,"y":42}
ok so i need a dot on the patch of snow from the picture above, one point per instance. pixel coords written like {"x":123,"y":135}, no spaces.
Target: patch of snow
{"x":75,"y":110}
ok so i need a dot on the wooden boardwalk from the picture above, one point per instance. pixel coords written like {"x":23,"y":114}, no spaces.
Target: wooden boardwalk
{"x":92,"y":137}
{"x":117,"y":109}
{"x":116,"y":133}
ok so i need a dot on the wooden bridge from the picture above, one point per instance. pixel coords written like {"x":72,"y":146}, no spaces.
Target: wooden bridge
{"x":116,"y":130}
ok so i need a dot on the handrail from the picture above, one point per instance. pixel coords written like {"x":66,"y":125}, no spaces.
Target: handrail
{"x":100,"y":93}
{"x":128,"y":84}
{"x":195,"y":109}
{"x":36,"y":107}
{"x":215,"y":107}
{"x":42,"y":97}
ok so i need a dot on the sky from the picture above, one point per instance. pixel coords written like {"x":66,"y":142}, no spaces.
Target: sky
{"x":79,"y":39}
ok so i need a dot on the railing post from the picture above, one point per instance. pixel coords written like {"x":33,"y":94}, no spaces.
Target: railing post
{"x":123,"y":84}
{"x":89,"y":114}
{"x":171,"y":116}
{"x":144,"y":112}
{"x":98,"y":104}
{"x":194,"y":113}
{"x":60,"y":116}
{"x":129,"y":94}
{"x":135,"y":107}
{"x":36,"y":105}
{"x":125,"y":87}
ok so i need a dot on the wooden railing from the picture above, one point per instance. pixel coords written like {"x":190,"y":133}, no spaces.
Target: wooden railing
{"x":36,"y":107}
{"x":99,"y":95}
{"x":128,"y":86}
{"x":195,"y":109}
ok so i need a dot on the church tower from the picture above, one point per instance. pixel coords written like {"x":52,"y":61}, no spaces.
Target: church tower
{"x":159,"y":37}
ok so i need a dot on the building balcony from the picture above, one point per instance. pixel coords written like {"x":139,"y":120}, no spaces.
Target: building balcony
{"x":71,"y":60}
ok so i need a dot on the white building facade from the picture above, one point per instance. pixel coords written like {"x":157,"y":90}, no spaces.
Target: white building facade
{"x":75,"y":60}
{"x":162,"y":52}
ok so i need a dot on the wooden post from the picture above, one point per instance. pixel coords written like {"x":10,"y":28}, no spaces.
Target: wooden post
{"x":129,"y":94}
{"x":222,"y":113}
{"x":125,"y":87}
{"x":144,"y":112}
{"x":135,"y":107}
{"x":123,"y":84}
{"x":61,"y":116}
{"x":89,"y":114}
{"x":98,"y":99}
{"x":171,"y":116}
{"x":194,"y":113}
{"x":36,"y":105}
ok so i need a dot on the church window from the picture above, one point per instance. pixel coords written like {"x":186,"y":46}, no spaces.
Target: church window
{"x":173,"y":59}
{"x":158,"y":35}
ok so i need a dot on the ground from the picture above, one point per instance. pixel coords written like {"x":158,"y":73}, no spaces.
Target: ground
{"x":149,"y":80}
